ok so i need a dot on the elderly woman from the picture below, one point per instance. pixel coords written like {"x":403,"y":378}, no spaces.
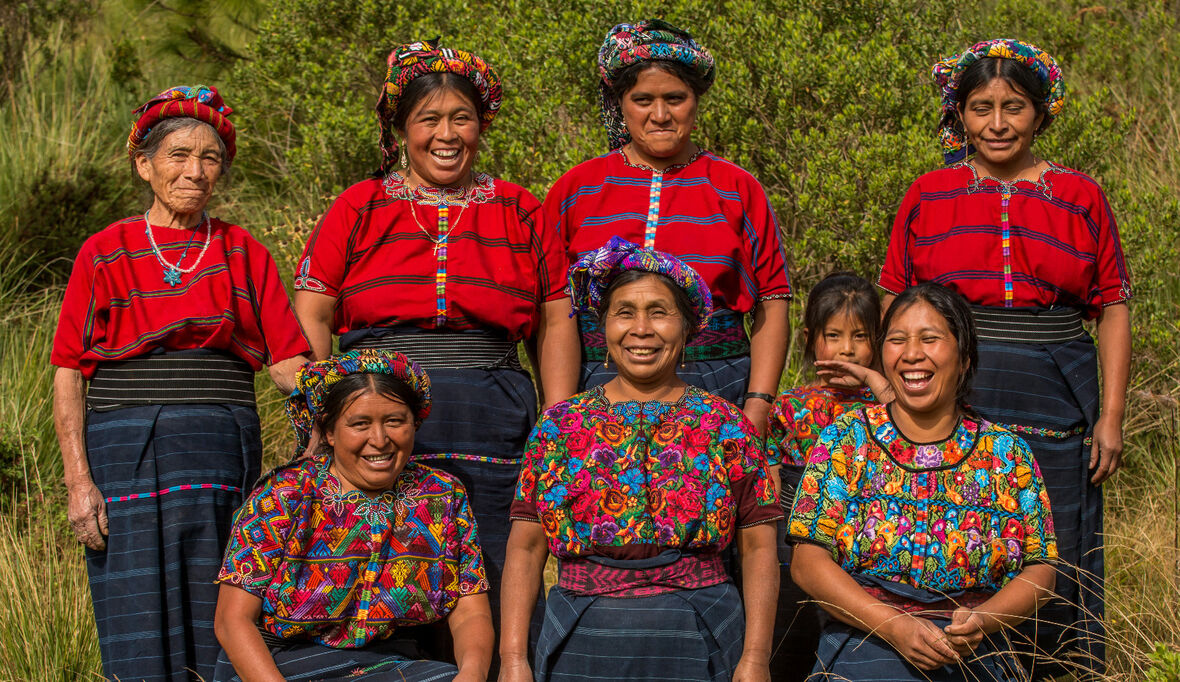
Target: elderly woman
{"x":923,"y":529}
{"x":166,"y":318}
{"x":332,"y":554}
{"x":453,"y":268}
{"x":657,"y":188}
{"x":1033,"y":246}
{"x":637,"y":486}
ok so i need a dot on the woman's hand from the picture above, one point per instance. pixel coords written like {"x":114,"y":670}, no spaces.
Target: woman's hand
{"x":965,"y":631}
{"x":1106,"y":455}
{"x":920,"y":641}
{"x":752,"y":669}
{"x":852,"y":375}
{"x":87,"y":513}
{"x":469,"y":676}
{"x":515,"y":669}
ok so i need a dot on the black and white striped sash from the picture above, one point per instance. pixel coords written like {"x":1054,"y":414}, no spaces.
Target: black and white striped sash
{"x":1012,"y":325}
{"x":181,"y":377}
{"x":441,"y":348}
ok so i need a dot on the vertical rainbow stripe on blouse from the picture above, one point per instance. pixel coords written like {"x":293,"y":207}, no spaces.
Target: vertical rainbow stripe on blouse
{"x":653,"y":209}
{"x":1005,"y":241}
{"x":440,"y":275}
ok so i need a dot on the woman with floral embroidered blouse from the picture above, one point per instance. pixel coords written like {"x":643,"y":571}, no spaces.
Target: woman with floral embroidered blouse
{"x":637,"y":486}
{"x":922,"y":529}
{"x":332,"y":554}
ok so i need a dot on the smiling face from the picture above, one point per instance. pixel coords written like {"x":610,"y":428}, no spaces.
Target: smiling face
{"x":1000,"y":121}
{"x":183,"y":171}
{"x":371,"y":441}
{"x":922,"y":360}
{"x":660,"y":111}
{"x":645,"y":331}
{"x":843,"y":337}
{"x":442,"y":138}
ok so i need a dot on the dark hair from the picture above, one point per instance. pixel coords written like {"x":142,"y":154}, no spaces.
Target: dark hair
{"x":348,"y":389}
{"x":954,"y":309}
{"x":165,"y":127}
{"x":841,"y":292}
{"x":1019,"y":77}
{"x":688,"y":313}
{"x":630,"y":75}
{"x":424,"y":87}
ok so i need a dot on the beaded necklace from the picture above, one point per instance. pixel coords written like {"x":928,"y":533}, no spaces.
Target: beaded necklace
{"x":172,"y":272}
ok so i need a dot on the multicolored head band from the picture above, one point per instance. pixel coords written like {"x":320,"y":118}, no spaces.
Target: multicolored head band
{"x":412,"y":60}
{"x":949,"y":71}
{"x":315,"y":379}
{"x":184,"y":101}
{"x":591,"y":276}
{"x":629,"y":44}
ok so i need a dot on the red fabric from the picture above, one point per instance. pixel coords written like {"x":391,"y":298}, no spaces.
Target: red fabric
{"x":117,"y":305}
{"x":199,"y":102}
{"x":502,"y":262}
{"x":713,"y":215}
{"x":1065,"y":248}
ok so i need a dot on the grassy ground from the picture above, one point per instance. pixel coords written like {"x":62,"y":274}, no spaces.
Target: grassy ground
{"x":54,"y":169}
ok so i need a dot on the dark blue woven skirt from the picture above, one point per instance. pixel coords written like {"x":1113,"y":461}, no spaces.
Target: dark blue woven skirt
{"x":687,"y":635}
{"x":726,"y":378}
{"x":172,"y":477}
{"x":846,"y":653}
{"x":1055,"y":388}
{"x":378,"y":662}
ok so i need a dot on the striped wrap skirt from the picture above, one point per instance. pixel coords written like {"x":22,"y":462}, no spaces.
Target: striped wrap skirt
{"x":1049,"y":395}
{"x":383,"y":661}
{"x":172,"y":477}
{"x":846,"y":653}
{"x":686,"y":635}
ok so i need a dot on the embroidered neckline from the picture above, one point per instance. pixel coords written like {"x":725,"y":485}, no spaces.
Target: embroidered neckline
{"x":1041,"y":184}
{"x":482,"y":191}
{"x":628,"y":408}
{"x":376,"y":510}
{"x":947,"y":453}
{"x":670,"y":169}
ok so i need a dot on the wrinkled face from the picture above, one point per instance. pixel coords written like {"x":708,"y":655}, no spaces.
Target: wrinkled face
{"x":659,"y":112}
{"x":645,"y":332}
{"x":371,"y":442}
{"x":442,"y":138}
{"x":920,"y":357}
{"x":843,"y":337}
{"x":1000,"y":121}
{"x":184,"y":170}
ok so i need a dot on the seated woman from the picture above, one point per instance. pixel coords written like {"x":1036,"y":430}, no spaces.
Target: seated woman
{"x":923,"y":529}
{"x":331,"y":554}
{"x":636,"y":486}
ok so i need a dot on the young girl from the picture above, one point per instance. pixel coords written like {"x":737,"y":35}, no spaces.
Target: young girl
{"x":840,"y":329}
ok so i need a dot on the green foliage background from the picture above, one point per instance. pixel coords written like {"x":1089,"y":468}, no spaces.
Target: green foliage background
{"x":827,"y":102}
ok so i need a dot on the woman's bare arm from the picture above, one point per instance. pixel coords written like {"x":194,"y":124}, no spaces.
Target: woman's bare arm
{"x":236,"y":625}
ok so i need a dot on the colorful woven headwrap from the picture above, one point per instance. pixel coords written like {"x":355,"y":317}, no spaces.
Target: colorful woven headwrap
{"x":948,"y":72}
{"x":315,"y":379}
{"x":591,"y":276}
{"x":628,"y":44}
{"x":185,"y":101}
{"x":412,"y":60}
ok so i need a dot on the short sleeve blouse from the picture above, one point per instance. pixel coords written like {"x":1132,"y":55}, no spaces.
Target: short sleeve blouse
{"x":119,"y":306}
{"x":343,"y":568}
{"x":709,"y":213}
{"x":964,"y":514}
{"x":800,"y":414}
{"x":1052,"y":243}
{"x":382,"y":254}
{"x":629,"y":480}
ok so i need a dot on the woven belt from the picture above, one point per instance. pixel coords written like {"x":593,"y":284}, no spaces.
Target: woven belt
{"x":687,"y":572}
{"x":725,"y":337}
{"x":1012,"y":325}
{"x":176,"y":378}
{"x":440,"y":348}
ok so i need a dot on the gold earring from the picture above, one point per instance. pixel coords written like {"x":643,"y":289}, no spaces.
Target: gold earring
{"x":606,"y":362}
{"x":402,"y":155}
